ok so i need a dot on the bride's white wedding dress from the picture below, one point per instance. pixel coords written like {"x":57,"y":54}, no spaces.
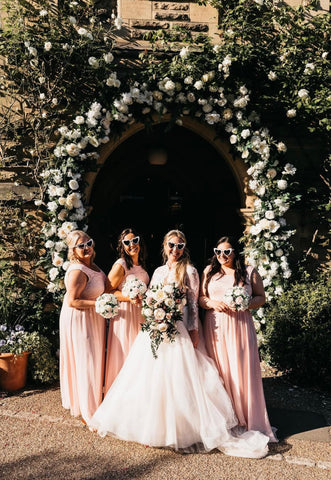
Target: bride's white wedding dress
{"x":177,"y":400}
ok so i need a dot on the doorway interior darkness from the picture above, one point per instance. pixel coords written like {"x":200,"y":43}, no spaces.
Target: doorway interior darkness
{"x":194,"y":191}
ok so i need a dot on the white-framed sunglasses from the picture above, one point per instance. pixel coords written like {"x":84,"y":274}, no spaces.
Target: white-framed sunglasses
{"x":81,"y":246}
{"x":180,"y":246}
{"x":133,"y":241}
{"x":225,"y":251}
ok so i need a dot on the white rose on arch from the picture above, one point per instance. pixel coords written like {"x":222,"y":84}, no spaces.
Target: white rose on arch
{"x":73,"y":184}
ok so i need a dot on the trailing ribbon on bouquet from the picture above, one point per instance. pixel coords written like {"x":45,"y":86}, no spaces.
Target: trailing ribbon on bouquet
{"x":162,"y":308}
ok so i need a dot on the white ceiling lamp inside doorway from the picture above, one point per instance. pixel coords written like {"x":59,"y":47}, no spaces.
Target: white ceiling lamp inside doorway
{"x":157,"y":156}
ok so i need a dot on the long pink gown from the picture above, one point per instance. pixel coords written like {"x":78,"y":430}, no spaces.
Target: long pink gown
{"x":231,"y":342}
{"x":124,"y":328}
{"x":82,"y":347}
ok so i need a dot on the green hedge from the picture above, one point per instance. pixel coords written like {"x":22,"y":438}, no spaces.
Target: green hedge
{"x":298,"y":332}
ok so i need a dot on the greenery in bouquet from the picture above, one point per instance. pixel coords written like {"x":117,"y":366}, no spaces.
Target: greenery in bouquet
{"x":162,"y":308}
{"x":42,"y":364}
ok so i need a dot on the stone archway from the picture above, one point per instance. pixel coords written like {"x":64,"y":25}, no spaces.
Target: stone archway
{"x":201,"y":190}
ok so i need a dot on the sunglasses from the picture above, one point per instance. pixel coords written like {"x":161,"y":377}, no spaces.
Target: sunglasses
{"x":226,"y":251}
{"x":180,"y":246}
{"x":81,"y":246}
{"x":134,"y":241}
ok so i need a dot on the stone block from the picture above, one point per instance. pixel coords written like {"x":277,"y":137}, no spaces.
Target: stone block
{"x":8,"y":191}
{"x":205,"y":14}
{"x":195,"y":27}
{"x":137,"y":9}
{"x":171,"y":6}
{"x":172,"y":16}
{"x":148,"y":25}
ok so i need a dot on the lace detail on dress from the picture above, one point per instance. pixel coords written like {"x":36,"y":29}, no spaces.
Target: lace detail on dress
{"x":159,"y":275}
{"x":78,"y":266}
{"x":165,"y":275}
{"x":122,"y":262}
{"x":192,"y":295}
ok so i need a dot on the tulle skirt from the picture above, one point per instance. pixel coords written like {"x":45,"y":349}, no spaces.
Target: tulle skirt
{"x":176,"y":401}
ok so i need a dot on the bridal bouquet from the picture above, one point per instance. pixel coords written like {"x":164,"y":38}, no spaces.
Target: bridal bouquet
{"x":107,"y":305}
{"x":162,"y":307}
{"x":133,"y":287}
{"x":237,"y":298}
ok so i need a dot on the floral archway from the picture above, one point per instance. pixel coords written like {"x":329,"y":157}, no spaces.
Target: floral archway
{"x":183,"y":91}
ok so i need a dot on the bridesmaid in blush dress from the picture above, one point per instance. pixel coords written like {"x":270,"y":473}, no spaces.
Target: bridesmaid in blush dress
{"x":124,"y":328}
{"x":82,"y":330}
{"x":230,"y":335}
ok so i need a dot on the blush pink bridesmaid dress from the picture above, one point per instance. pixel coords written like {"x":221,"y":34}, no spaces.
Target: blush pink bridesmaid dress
{"x":231,"y":342}
{"x":124,"y":328}
{"x":82,"y":347}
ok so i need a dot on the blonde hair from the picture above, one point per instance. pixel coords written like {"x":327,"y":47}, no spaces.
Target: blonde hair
{"x":183,"y":261}
{"x":71,"y":241}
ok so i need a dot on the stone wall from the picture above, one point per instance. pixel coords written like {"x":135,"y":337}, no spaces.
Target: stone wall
{"x":143,"y":16}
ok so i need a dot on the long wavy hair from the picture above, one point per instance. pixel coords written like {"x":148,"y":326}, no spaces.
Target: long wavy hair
{"x":71,"y":241}
{"x":121,"y":249}
{"x":240,"y":274}
{"x":183,"y":261}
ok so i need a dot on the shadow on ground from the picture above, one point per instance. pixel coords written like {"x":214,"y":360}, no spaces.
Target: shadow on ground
{"x":55,"y":465}
{"x":292,"y":422}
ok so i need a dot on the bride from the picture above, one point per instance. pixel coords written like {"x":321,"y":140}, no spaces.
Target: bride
{"x":177,"y":399}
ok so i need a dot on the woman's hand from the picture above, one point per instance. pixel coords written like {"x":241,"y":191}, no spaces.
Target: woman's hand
{"x":137,"y":301}
{"x":194,"y":334}
{"x":219,"y":306}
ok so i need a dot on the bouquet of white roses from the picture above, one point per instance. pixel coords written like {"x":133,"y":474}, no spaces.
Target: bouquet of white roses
{"x":107,"y":305}
{"x":133,"y":287}
{"x":162,"y":308}
{"x":237,"y":298}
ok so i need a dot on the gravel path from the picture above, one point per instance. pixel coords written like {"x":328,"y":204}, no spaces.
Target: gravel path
{"x":40,"y":440}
